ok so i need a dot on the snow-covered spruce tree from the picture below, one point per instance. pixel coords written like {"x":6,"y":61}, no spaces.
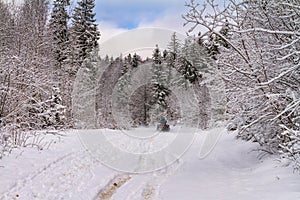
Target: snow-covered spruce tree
{"x":212,"y":46}
{"x":192,"y":61}
{"x":54,"y":112}
{"x":225,"y":32}
{"x":106,"y":59}
{"x":165,"y":53}
{"x":135,"y":60}
{"x":173,"y":52}
{"x":84,"y":30}
{"x":63,"y":70}
{"x":188,"y":70}
{"x":60,"y":32}
{"x":261,"y":68}
{"x":211,"y":98}
{"x":181,"y":80}
{"x":128,"y":59}
{"x":199,"y":58}
{"x":174,"y":46}
{"x":213,"y":42}
{"x":158,"y":82}
{"x":197,"y":68}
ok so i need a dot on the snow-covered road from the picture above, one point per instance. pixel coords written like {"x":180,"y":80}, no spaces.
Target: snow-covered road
{"x":67,"y":171}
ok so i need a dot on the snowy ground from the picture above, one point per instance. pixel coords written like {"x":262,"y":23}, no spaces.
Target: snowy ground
{"x":66,"y":170}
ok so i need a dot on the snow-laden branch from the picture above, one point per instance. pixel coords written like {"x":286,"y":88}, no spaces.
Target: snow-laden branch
{"x":290,"y":5}
{"x":196,"y":17}
{"x":288,"y":45}
{"x":289,"y":55}
{"x":269,"y":31}
{"x":258,"y":120}
{"x":291,"y":107}
{"x":246,"y":73}
{"x":280,"y":75}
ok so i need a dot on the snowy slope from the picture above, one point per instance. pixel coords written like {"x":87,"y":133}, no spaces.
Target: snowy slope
{"x":67,"y":171}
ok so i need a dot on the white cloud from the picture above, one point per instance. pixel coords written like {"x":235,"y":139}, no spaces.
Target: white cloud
{"x":143,"y":39}
{"x":169,"y":20}
{"x":109,"y":30}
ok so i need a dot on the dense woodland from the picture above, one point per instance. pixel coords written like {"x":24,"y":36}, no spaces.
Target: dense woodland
{"x":241,"y":67}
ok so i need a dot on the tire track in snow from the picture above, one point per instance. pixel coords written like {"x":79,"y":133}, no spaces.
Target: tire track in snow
{"x":112,"y":186}
{"x":64,"y":178}
{"x":21,"y":183}
{"x":145,"y":186}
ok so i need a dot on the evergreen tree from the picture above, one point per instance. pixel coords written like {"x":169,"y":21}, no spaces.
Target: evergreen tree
{"x":54,"y":114}
{"x":188,"y":71}
{"x":85,"y":30}
{"x":215,"y":42}
{"x":194,"y":60}
{"x":165,"y":53}
{"x":225,"y":32}
{"x":198,"y":57}
{"x":129,"y":59}
{"x":174,"y":46}
{"x":172,"y":55}
{"x":159,"y":90}
{"x":135,"y":60}
{"x":157,"y":59}
{"x":61,"y":49}
{"x":180,"y":64}
{"x":106,"y":59}
{"x":59,"y":29}
{"x":212,"y":46}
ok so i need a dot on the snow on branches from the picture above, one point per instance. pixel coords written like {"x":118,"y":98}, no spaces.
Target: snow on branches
{"x":260,"y":66}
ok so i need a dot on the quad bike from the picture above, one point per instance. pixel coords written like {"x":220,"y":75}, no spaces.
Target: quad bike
{"x":163,"y":127}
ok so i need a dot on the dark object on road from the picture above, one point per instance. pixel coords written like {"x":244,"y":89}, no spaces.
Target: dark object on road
{"x":163,"y":126}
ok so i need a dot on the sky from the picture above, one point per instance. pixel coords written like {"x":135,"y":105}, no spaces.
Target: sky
{"x":131,"y":13}
{"x":118,"y":20}
{"x":117,"y":16}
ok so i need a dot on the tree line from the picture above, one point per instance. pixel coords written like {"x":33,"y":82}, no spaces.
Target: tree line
{"x":129,"y":91}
